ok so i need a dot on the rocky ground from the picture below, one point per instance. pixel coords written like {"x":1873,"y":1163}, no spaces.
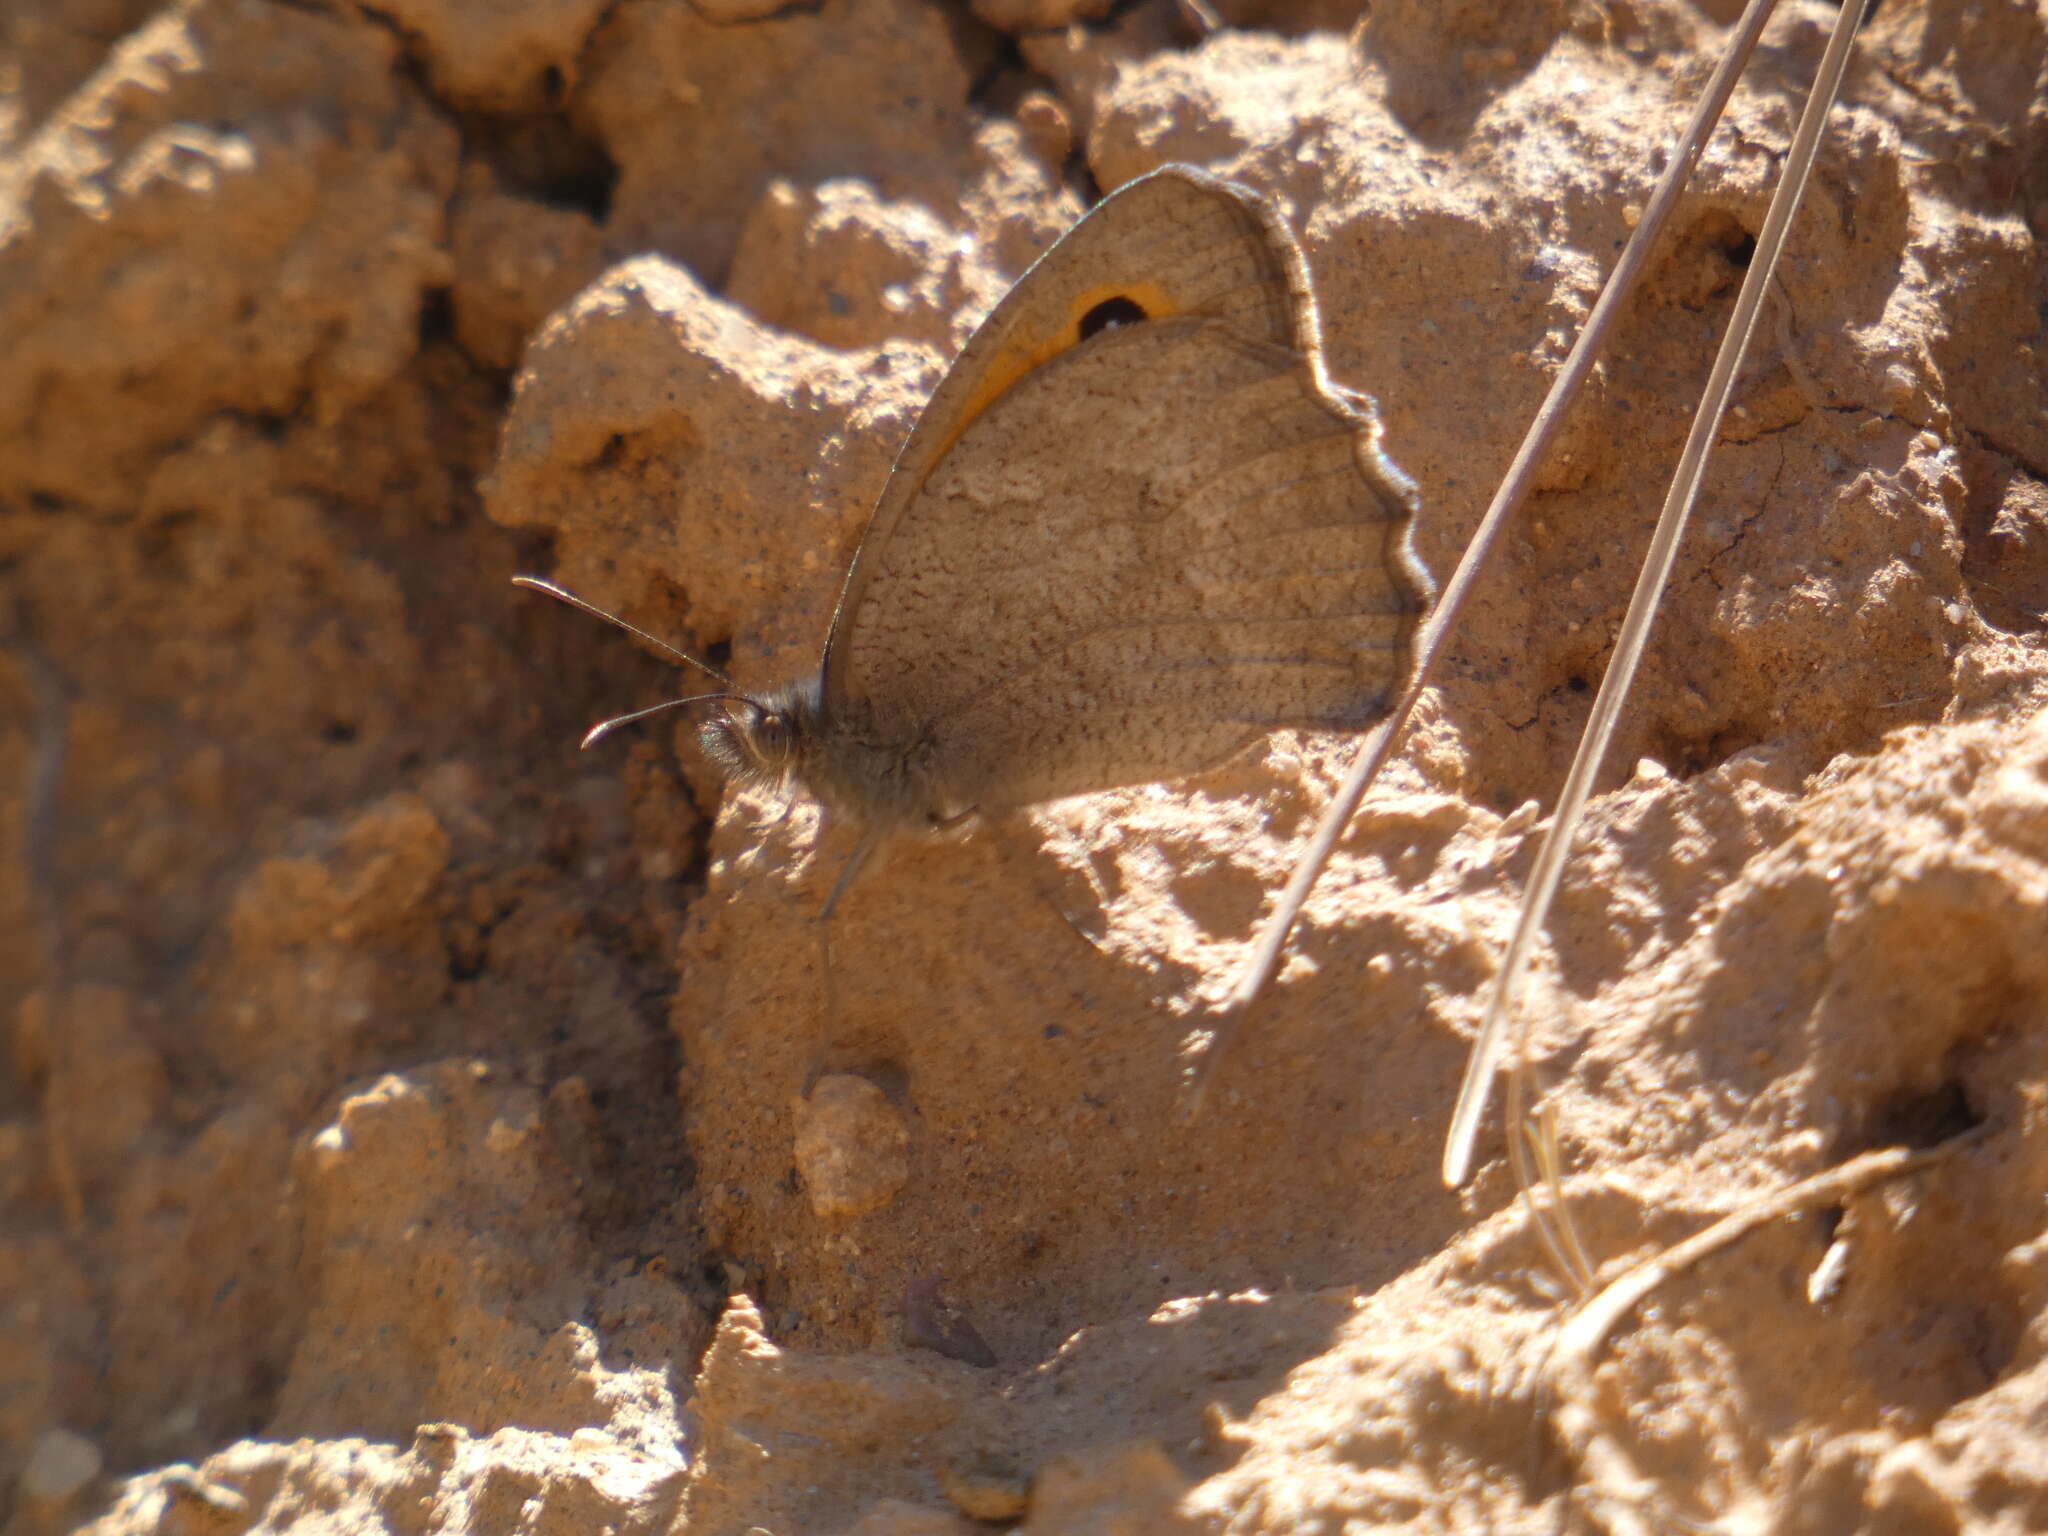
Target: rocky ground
{"x":409,"y":1123}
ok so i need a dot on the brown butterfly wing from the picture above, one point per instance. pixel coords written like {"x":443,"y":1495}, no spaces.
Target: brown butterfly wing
{"x":1117,"y":553}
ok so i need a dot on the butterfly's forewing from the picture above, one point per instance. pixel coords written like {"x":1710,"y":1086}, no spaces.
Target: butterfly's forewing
{"x":1136,"y":527}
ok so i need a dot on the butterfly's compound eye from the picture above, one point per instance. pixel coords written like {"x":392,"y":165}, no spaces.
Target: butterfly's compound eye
{"x":771,"y":738}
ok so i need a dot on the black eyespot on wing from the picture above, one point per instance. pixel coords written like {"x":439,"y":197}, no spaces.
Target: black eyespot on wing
{"x":1111,"y":313}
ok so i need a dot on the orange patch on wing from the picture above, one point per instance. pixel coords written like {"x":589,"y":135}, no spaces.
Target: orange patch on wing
{"x":1022,"y":354}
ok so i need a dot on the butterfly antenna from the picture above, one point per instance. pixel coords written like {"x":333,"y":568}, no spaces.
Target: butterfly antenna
{"x":563,"y":594}
{"x":604,"y":728}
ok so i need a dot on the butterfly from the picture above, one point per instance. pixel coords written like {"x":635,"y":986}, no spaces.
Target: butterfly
{"x":1136,"y":528}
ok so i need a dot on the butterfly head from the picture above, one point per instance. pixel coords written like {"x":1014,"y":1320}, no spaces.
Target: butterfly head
{"x":762,"y":741}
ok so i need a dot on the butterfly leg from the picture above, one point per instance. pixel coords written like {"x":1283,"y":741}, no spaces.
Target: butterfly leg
{"x":957,"y":825}
{"x":855,"y":862}
{"x":825,"y":968}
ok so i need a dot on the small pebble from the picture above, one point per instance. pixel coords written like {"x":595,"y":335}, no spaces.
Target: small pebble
{"x":852,"y":1146}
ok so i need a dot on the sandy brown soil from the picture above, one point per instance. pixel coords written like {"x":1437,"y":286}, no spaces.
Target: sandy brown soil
{"x":410,"y":1124}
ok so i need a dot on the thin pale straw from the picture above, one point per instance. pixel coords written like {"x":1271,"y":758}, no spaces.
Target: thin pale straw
{"x":1642,"y":609}
{"x":1436,"y":630}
